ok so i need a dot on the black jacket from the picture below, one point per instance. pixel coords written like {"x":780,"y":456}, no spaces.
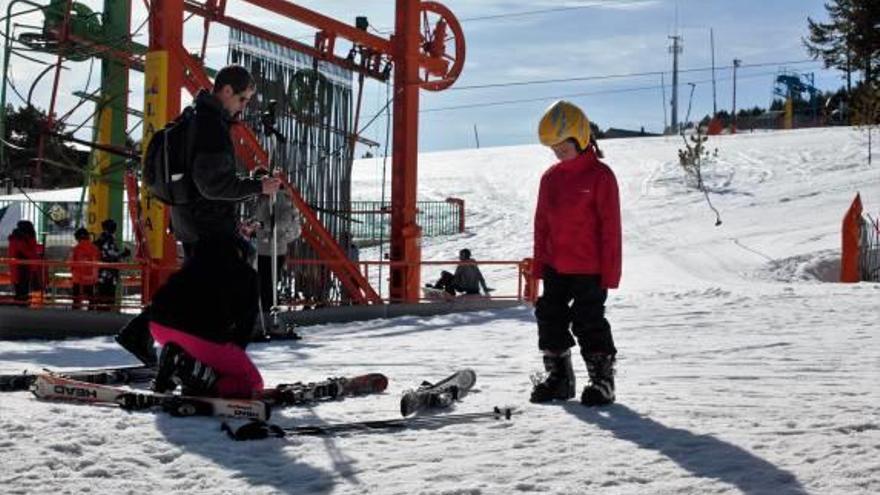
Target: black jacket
{"x":214,"y":214}
{"x":214,"y":296}
{"x":468,"y":278}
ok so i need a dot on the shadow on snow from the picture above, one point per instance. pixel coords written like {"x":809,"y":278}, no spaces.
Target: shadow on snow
{"x":703,"y":456}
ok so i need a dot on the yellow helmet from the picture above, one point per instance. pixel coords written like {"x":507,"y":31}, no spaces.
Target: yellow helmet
{"x":564,"y":120}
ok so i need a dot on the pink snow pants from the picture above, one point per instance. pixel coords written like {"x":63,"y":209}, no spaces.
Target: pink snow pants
{"x":237,"y":377}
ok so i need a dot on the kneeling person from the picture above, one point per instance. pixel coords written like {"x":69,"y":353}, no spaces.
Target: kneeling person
{"x":203,"y":318}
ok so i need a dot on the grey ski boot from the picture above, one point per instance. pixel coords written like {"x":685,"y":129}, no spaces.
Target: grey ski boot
{"x":177,"y":367}
{"x":600,"y":390}
{"x":559,"y":383}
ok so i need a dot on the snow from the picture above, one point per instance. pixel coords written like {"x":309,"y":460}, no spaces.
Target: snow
{"x":743,"y":367}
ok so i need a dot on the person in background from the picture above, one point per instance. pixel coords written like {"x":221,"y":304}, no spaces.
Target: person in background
{"x":288,"y":227}
{"x":467,"y":279}
{"x":22,"y":246}
{"x":84,"y":277}
{"x":108,"y":278}
{"x":578,"y":255}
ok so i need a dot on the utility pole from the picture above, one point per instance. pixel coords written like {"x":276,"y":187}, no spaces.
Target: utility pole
{"x":736,"y":63}
{"x":675,"y":49}
{"x":476,"y":136}
{"x":687,"y":118}
{"x":663,"y":87}
{"x":714,"y":98}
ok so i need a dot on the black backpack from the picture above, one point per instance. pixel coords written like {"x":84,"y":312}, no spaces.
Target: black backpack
{"x":167,"y":169}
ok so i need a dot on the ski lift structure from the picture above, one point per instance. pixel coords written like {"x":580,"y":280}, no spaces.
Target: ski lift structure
{"x":425,"y":51}
{"x":794,"y":85}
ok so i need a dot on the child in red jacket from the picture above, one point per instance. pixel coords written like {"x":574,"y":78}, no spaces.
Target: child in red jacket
{"x":22,"y":246}
{"x":84,"y":277}
{"x":577,"y":253}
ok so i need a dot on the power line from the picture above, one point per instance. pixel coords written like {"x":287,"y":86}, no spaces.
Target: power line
{"x":573,"y":95}
{"x":594,"y":5}
{"x":626,"y":75}
{"x":548,"y":11}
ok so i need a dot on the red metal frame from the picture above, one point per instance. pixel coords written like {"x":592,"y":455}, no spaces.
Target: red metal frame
{"x":250,"y":151}
{"x":408,"y":52}
{"x":166,"y":33}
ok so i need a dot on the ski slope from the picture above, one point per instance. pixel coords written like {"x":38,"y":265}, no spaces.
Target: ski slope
{"x":742,"y":369}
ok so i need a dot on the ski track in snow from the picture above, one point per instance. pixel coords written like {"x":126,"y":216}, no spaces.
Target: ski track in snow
{"x":740,"y":370}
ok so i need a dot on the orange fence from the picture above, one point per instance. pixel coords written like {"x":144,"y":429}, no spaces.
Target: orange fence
{"x":51,"y":282}
{"x":376,"y":272}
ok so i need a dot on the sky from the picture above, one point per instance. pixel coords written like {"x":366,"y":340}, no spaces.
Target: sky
{"x":513,"y":42}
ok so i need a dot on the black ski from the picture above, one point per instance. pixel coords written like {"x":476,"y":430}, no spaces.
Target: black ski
{"x":438,"y":395}
{"x":257,"y":430}
{"x":105,"y":376}
{"x":295,"y":394}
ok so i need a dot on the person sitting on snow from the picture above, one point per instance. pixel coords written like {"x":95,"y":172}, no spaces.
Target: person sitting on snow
{"x":467,"y":279}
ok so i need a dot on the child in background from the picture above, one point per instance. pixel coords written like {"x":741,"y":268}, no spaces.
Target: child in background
{"x":108,"y":278}
{"x":22,"y":246}
{"x":84,"y":277}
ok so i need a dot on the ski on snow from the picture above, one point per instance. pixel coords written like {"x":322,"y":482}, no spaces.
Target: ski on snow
{"x":294,"y":394}
{"x":49,"y":386}
{"x":257,"y":430}
{"x":16,"y":382}
{"x":53,"y":387}
{"x":438,"y":395}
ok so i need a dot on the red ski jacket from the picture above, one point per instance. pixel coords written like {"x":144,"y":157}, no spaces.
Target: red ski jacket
{"x":577,"y":220}
{"x":85,"y":251}
{"x":21,"y":248}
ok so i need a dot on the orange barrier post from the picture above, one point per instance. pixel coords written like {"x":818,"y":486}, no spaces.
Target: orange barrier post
{"x":849,"y":258}
{"x":530,"y":290}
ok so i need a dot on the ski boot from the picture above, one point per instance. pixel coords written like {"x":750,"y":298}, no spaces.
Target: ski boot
{"x":176,"y":367}
{"x":135,"y":338}
{"x":559,"y":383}
{"x":600,"y":390}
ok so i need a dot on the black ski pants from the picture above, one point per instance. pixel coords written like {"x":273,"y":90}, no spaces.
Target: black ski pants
{"x":573,"y":304}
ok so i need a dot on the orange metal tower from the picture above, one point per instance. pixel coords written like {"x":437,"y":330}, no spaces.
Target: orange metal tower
{"x":418,"y":52}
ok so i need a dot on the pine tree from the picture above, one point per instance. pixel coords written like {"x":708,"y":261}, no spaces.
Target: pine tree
{"x":64,"y":165}
{"x":850,"y":41}
{"x":867,"y":110}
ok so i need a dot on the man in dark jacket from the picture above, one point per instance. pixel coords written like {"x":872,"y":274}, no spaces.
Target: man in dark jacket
{"x":211,"y":221}
{"x":214,"y":215}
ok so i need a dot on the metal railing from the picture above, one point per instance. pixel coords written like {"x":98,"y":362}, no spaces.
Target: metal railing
{"x":40,"y":214}
{"x":371,"y":220}
{"x":51,"y":283}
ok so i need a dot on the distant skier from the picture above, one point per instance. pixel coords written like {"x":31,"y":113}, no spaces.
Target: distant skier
{"x":108,"y":278}
{"x":84,"y":278}
{"x":287,"y":225}
{"x":467,"y":279}
{"x":22,"y":246}
{"x":577,"y":252}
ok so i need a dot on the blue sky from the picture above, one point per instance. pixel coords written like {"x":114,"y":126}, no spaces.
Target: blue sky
{"x":570,"y":39}
{"x":614,"y":40}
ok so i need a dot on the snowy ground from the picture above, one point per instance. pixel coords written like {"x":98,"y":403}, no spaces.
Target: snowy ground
{"x":741,"y":370}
